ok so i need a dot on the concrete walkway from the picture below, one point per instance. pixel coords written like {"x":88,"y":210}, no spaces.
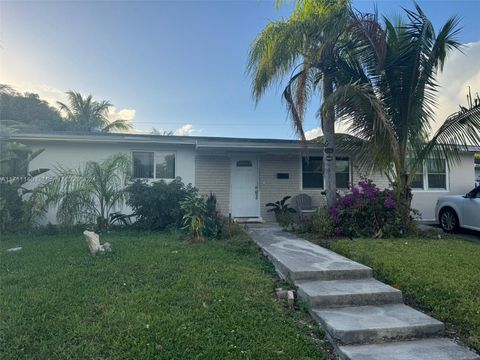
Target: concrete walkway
{"x":362,"y":317}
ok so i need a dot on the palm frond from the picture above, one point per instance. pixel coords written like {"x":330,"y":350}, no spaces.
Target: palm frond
{"x":459,"y":130}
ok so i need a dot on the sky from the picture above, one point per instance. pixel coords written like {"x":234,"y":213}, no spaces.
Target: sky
{"x":181,"y":65}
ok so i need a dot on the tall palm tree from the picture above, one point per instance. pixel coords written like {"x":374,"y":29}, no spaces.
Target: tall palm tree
{"x":301,"y":48}
{"x":387,"y":97}
{"x":85,"y":114}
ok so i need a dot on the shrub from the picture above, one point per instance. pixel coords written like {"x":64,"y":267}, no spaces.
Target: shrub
{"x":194,"y":216}
{"x":213,"y":222}
{"x":157,"y":205}
{"x":322,"y":224}
{"x":369,"y":211}
{"x":12,"y":208}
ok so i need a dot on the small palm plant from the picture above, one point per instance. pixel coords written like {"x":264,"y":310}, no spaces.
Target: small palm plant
{"x":194,"y":209}
{"x":87,"y":194}
{"x":282,"y":210}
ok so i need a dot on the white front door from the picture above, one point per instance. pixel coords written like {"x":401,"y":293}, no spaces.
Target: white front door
{"x":244,"y":187}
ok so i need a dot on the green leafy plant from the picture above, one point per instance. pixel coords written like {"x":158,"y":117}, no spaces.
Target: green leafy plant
{"x":156,"y":206}
{"x":322,"y":224}
{"x":282,"y":210}
{"x":302,"y":50}
{"x":14,"y":161}
{"x":386,"y":95}
{"x":368,"y":211}
{"x":89,"y":194}
{"x":194,"y":216}
{"x":214,"y":222}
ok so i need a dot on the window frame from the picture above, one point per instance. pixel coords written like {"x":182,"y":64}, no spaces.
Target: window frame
{"x":426,"y":185}
{"x":342,"y":157}
{"x":156,"y":154}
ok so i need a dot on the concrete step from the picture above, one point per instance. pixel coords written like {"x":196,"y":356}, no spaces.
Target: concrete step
{"x":368,"y":324}
{"x":299,"y":259}
{"x":336,"y":293}
{"x":425,"y":349}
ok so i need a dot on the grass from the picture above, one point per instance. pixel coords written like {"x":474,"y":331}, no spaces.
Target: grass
{"x":153,"y":297}
{"x":439,"y":276}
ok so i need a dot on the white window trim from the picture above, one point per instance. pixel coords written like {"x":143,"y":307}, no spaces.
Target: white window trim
{"x":426,"y":188}
{"x":350,"y":173}
{"x":155,"y":154}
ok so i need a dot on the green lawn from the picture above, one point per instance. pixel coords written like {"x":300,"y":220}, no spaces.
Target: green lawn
{"x":440,"y":276}
{"x":153,"y":297}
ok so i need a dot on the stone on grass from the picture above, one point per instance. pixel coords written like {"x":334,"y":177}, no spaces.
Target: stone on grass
{"x":93,"y":242}
{"x":18,"y":248}
{"x":290,"y":299}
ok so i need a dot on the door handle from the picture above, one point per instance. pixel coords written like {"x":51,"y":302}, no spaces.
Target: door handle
{"x":256,"y":192}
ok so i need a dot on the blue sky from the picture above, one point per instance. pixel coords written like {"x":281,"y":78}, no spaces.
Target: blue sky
{"x":172,"y":65}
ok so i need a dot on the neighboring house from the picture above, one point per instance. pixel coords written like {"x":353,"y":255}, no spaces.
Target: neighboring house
{"x":245,"y":174}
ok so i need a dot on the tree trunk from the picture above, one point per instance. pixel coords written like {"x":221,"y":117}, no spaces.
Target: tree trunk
{"x":328,"y":127}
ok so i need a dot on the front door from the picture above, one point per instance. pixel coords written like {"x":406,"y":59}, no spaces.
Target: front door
{"x":244,"y":182}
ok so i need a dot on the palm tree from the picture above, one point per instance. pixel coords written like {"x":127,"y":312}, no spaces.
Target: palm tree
{"x":302,"y":48}
{"x":85,"y":114}
{"x":88,"y":194}
{"x":387,"y":97}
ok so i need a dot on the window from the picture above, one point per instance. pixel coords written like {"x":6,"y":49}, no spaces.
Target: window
{"x":143,"y":165}
{"x":342,"y":172}
{"x":312,"y":172}
{"x":431,"y":176}
{"x":153,"y":165}
{"x":437,"y":174}
{"x":165,"y":166}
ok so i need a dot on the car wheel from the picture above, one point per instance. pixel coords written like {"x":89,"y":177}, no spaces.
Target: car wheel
{"x":449,"y":220}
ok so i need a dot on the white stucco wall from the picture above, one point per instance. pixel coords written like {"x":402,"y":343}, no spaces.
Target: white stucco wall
{"x":75,"y":154}
{"x":211,"y":172}
{"x":460,"y":180}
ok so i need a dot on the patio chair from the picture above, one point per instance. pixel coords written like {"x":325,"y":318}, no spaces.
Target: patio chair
{"x":302,"y":203}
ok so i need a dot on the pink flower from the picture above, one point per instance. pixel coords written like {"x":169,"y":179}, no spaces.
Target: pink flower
{"x":389,"y":203}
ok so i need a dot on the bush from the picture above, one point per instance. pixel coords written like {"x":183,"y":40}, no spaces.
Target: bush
{"x":194,"y":216}
{"x":157,"y":205}
{"x":213,"y":222}
{"x":371,"y":212}
{"x":322,"y":224}
{"x":12,"y":208}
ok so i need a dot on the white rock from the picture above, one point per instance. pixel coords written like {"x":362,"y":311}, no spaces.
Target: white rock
{"x":290,"y":299}
{"x":18,"y":248}
{"x":93,"y":242}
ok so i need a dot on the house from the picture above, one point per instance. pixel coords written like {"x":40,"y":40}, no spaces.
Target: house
{"x":245,"y":174}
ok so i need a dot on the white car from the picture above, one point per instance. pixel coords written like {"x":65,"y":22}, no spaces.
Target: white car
{"x":455,"y":211}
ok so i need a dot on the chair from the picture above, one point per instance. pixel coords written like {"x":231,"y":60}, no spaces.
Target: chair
{"x":302,"y":203}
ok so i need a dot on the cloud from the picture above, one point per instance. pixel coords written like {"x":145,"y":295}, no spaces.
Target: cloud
{"x":52,"y":95}
{"x":461,"y":71}
{"x":186,"y":130}
{"x":124,"y":114}
{"x":46,"y":92}
{"x":340,"y":127}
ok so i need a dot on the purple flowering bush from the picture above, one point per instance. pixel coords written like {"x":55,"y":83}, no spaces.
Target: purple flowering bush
{"x":368,"y":211}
